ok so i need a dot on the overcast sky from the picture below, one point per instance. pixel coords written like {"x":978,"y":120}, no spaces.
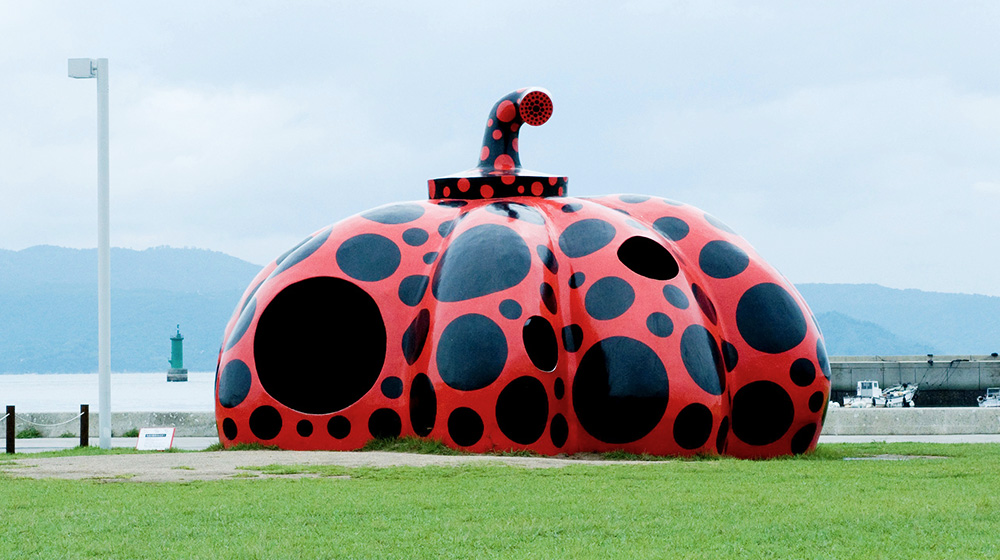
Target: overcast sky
{"x":848,"y":142}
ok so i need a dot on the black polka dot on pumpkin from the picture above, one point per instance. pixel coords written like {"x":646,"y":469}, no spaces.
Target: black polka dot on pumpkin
{"x":510,"y":309}
{"x":242,"y":324}
{"x":465,"y":426}
{"x":572,"y":336}
{"x":559,"y":388}
{"x":659,"y":324}
{"x":577,"y":280}
{"x":368,"y":257}
{"x":392,"y":387}
{"x":676,"y":297}
{"x":705,"y":304}
{"x":338,"y":427}
{"x":648,"y":258}
{"x":303,"y":251}
{"x":548,"y":258}
{"x":265,"y":422}
{"x":540,"y":343}
{"x":571,"y":207}
{"x":672,"y":228}
{"x":693,"y":426}
{"x":415,"y":237}
{"x":559,"y":430}
{"x":229,"y":429}
{"x":770,"y":320}
{"x":821,"y":358}
{"x":802,"y":439}
{"x":429,"y":258}
{"x":487,"y":258}
{"x":394,"y":213}
{"x":234,"y":383}
{"x":471,"y":352}
{"x":762,"y":412}
{"x":548,"y":295}
{"x":802,"y":372}
{"x":522,"y":410}
{"x":729,"y":355}
{"x":722,"y":259}
{"x":702,"y":359}
{"x":304,"y":428}
{"x":283,"y":256}
{"x":608,"y":298}
{"x":722,"y":435}
{"x":719,"y":224}
{"x":304,"y":326}
{"x":516,"y":211}
{"x":620,"y":390}
{"x":444,"y":228}
{"x":585,"y":237}
{"x":384,"y":423}
{"x":415,"y":336}
{"x":423,"y":405}
{"x":816,"y":401}
{"x":633,"y":198}
{"x":249,"y":298}
{"x":412,"y":288}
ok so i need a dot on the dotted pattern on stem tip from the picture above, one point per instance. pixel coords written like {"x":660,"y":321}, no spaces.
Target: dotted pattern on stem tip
{"x":536,"y":108}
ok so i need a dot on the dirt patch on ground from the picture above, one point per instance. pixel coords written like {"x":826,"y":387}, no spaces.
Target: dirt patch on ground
{"x":893,"y":457}
{"x":217,"y":465}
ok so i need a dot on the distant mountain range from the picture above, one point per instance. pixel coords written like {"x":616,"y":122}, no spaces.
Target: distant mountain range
{"x":868,"y":319}
{"x":48,"y":307}
{"x":48,"y":311}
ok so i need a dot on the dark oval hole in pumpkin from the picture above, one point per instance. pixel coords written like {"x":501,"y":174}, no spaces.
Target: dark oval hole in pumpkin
{"x":648,"y":258}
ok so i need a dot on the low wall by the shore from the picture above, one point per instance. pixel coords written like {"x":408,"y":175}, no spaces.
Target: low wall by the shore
{"x":839,"y":422}
{"x":911,"y":421}
{"x":66,"y":424}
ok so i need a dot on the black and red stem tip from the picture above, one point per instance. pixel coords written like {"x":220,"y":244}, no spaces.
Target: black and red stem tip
{"x":498,"y":173}
{"x":500,"y":151}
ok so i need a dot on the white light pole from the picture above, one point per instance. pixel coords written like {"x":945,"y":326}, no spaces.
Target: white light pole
{"x":98,"y":68}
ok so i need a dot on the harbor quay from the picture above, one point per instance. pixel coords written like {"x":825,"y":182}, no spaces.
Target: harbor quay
{"x":944,"y":381}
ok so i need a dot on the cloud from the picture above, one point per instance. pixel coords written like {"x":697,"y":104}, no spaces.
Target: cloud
{"x":987,"y":187}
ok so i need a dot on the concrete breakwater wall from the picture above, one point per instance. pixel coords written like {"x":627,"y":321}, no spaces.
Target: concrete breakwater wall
{"x":911,"y":421}
{"x":839,"y":422}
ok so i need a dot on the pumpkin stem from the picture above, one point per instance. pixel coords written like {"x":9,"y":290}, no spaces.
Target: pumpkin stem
{"x":500,"y":150}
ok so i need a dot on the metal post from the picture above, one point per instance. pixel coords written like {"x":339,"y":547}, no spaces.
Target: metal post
{"x":98,"y":68}
{"x":84,"y":425}
{"x":103,"y":256}
{"x":10,"y":428}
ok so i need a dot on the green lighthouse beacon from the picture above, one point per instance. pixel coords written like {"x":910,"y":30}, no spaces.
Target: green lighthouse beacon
{"x":177,"y":371}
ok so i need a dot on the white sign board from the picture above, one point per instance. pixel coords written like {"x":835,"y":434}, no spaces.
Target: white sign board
{"x":155,"y":439}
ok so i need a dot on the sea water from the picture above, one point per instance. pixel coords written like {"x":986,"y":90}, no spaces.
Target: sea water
{"x":130,"y":392}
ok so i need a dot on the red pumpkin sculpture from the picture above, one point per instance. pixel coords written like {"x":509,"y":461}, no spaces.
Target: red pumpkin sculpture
{"x":501,"y":314}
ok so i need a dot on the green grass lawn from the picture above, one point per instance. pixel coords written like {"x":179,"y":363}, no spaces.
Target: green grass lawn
{"x":817,"y":506}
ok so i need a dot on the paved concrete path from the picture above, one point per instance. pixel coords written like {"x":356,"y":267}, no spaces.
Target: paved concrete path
{"x":216,"y":465}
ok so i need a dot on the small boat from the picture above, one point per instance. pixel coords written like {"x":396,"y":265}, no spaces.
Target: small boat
{"x":870,"y":395}
{"x":899,"y":396}
{"x":992,"y":398}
